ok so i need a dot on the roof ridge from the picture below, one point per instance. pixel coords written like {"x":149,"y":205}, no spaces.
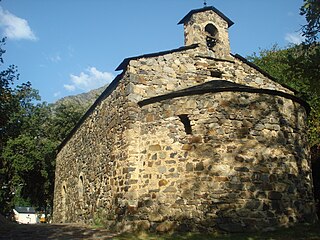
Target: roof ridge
{"x":188,"y":16}
{"x":246,"y":61}
{"x":125,"y":62}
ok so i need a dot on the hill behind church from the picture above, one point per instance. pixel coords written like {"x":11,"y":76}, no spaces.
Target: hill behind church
{"x":82,"y":99}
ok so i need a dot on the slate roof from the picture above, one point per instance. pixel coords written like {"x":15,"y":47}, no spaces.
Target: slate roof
{"x":194,"y":90}
{"x":215,"y":86}
{"x":126,"y":61}
{"x":188,"y":16}
{"x":244,"y":60}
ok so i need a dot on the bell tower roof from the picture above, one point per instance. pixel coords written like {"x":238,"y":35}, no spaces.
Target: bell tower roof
{"x":188,"y":16}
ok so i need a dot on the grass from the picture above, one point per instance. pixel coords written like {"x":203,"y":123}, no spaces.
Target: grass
{"x":301,"y":232}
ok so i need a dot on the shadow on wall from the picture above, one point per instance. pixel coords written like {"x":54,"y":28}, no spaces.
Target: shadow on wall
{"x":315,"y":160}
{"x":247,"y":168}
{"x":262,"y":176}
{"x":241,"y":166}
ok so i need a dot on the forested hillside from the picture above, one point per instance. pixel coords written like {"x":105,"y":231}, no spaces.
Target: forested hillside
{"x":83,"y":99}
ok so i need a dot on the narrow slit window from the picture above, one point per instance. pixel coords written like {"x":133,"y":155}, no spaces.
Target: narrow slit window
{"x":186,"y":123}
{"x":80,"y":187}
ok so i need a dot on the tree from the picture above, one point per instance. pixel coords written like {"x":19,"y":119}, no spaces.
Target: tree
{"x":299,"y":70}
{"x":26,"y":162}
{"x":30,"y":132}
{"x":64,"y":117}
{"x":7,"y":78}
{"x":311,"y":10}
{"x":8,"y":105}
{"x":32,"y":168}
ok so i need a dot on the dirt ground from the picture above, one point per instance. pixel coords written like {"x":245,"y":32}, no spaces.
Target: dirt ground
{"x":51,"y":231}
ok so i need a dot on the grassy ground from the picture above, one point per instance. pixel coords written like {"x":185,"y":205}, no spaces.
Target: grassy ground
{"x":299,"y":232}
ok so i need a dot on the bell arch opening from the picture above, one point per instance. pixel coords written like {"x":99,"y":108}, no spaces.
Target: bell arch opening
{"x":211,"y":35}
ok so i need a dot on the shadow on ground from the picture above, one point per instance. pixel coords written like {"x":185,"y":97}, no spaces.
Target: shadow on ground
{"x":301,"y":232}
{"x":51,"y":231}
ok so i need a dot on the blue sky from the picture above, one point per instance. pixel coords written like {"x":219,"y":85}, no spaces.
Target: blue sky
{"x":65,"y":47}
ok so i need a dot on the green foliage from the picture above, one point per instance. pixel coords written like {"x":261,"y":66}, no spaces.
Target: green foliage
{"x":314,"y":129}
{"x":299,"y":68}
{"x":99,"y":219}
{"x":30,"y":132}
{"x":296,"y":66}
{"x":34,"y":131}
{"x":311,"y":10}
{"x":27,"y":157}
{"x":8,"y":103}
{"x":8,"y":106}
{"x":64,"y":117}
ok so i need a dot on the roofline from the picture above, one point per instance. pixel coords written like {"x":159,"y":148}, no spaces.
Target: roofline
{"x":247,"y":89}
{"x":188,"y":16}
{"x":26,"y":212}
{"x":246,"y":61}
{"x":103,"y":95}
{"x":113,"y":85}
{"x":126,"y":61}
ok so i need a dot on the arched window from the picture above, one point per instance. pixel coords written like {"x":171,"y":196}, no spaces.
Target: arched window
{"x":211,"y":35}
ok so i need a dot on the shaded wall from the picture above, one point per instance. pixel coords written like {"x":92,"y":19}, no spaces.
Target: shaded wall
{"x":92,"y":168}
{"x":245,"y":166}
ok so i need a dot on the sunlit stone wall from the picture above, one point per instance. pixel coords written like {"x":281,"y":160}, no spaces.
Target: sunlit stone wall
{"x":234,"y":161}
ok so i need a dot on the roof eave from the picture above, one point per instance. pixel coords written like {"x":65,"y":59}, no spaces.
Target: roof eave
{"x":188,"y":16}
{"x":246,"y":61}
{"x":226,"y":87}
{"x":126,"y":61}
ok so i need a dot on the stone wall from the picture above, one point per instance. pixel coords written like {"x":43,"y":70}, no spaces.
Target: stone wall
{"x":229,"y":160}
{"x":244,"y":167}
{"x":91,"y":167}
{"x":195,"y":33}
{"x":150,"y":77}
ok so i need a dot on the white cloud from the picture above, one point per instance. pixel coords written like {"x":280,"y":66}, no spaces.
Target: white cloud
{"x":90,"y":79}
{"x":55,"y":58}
{"x":295,"y":38}
{"x":15,"y":27}
{"x":57,"y":94}
{"x":70,"y":88}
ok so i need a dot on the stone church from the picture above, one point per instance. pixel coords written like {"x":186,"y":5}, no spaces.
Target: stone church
{"x":194,"y":138}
